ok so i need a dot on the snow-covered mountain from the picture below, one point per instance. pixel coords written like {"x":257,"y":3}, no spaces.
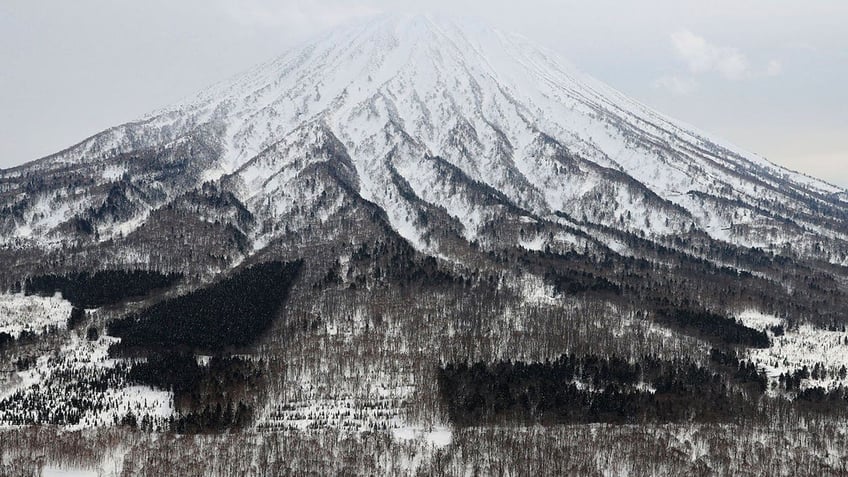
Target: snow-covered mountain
{"x":418,"y":238}
{"x":425,"y":116}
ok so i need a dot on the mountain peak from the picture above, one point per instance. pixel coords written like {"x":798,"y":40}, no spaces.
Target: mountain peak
{"x":407,"y":99}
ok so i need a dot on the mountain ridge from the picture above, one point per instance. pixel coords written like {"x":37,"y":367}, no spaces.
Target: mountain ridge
{"x":505,"y":113}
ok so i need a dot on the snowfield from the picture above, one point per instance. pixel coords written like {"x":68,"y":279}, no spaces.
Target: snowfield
{"x":32,"y":314}
{"x":805,"y":346}
{"x":54,"y":382}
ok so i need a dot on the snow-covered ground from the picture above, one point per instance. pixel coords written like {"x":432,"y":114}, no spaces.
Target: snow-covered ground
{"x":58,"y":471}
{"x":436,"y":436}
{"x":33,"y":314}
{"x":758,"y":321}
{"x":796,"y":348}
{"x":55,"y":382}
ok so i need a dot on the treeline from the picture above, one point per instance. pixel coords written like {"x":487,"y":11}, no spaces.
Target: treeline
{"x":791,"y":380}
{"x":24,"y":338}
{"x":815,"y":449}
{"x":596,"y":389}
{"x":680,"y":296}
{"x":231,"y":313}
{"x":105,"y":287}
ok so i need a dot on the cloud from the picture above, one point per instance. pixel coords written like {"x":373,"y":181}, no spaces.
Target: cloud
{"x":702,"y":56}
{"x":774,"y":68}
{"x":678,"y":86}
{"x":295,"y":14}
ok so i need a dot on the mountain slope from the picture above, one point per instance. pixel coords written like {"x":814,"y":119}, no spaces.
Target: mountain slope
{"x":407,"y":227}
{"x":407,"y":97}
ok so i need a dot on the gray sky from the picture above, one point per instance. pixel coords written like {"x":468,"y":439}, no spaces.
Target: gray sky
{"x":768,"y":75}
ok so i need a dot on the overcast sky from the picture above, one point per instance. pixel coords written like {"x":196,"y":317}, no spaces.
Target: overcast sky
{"x":769,"y":75}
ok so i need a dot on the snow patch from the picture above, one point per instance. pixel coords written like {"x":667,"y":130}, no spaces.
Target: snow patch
{"x":757,"y":320}
{"x":32,"y":314}
{"x":51,"y":471}
{"x":114,"y":172}
{"x":804,"y":346}
{"x":435,"y":436}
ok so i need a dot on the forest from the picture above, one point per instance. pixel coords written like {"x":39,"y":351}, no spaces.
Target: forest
{"x":220,"y":395}
{"x":228,"y":314}
{"x":713,"y":327}
{"x":104,"y":287}
{"x":341,"y":344}
{"x":593,"y":389}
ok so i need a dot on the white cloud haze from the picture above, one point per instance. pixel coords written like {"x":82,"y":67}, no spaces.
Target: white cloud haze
{"x":774,"y":68}
{"x":704,"y":57}
{"x":677,"y":85}
{"x":298,"y":14}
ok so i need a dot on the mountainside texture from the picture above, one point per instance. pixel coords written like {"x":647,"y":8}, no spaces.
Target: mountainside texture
{"x":426,"y":239}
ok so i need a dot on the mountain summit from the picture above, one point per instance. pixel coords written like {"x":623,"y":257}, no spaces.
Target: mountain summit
{"x":423,"y":110}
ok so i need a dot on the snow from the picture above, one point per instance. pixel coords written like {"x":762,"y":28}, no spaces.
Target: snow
{"x":114,"y":172}
{"x":757,"y":320}
{"x":122,"y":229}
{"x":537,"y":243}
{"x":534,"y":290}
{"x":436,"y":436}
{"x":481,"y":126}
{"x":400,"y":89}
{"x":805,"y":346}
{"x":51,"y":471}
{"x":47,"y":381}
{"x":427,"y":75}
{"x":154,"y":402}
{"x":796,"y":348}
{"x":33,"y":314}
